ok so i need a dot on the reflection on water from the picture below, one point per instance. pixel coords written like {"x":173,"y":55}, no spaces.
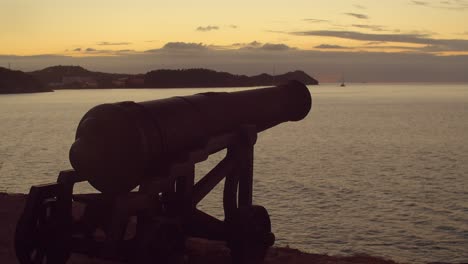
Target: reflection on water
{"x":377,"y":169}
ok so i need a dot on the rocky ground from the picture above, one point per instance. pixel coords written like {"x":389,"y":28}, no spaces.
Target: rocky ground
{"x":198,"y":250}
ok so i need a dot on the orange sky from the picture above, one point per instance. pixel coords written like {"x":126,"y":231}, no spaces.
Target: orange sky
{"x":36,"y":34}
{"x":31,"y":27}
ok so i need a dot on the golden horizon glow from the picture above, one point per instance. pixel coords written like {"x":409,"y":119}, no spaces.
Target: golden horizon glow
{"x":33,"y":27}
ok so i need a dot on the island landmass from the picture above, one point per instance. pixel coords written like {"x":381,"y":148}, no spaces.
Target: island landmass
{"x":210,"y":78}
{"x":19,"y":82}
{"x":76,"y":77}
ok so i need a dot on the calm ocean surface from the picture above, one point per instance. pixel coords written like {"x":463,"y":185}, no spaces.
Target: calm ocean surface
{"x":376,"y":169}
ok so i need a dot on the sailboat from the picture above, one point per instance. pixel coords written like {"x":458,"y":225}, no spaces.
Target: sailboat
{"x":342,"y":81}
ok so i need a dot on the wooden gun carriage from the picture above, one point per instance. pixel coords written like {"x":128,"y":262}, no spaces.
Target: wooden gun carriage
{"x":155,"y":147}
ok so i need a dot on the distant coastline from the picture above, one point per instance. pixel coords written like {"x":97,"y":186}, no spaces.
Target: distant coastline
{"x":19,"y":82}
{"x":76,"y":77}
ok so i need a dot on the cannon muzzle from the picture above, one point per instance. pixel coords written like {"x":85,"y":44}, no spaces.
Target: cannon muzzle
{"x":118,"y":145}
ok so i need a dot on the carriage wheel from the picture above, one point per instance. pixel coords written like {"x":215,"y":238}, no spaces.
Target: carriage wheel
{"x":42,"y":238}
{"x":251,"y":234}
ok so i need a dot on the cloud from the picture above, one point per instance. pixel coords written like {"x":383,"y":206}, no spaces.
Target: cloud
{"x":330,"y":46}
{"x":375,"y":42}
{"x":359,"y":6}
{"x":184,"y":46}
{"x":99,"y":52}
{"x":423,"y":39}
{"x":255,"y":45}
{"x":408,"y":38}
{"x":195,"y":47}
{"x":314,"y":20}
{"x":455,"y":5}
{"x":250,"y":45}
{"x":179,"y":47}
{"x":125,"y":51}
{"x":207,"y":28}
{"x":366,"y":66}
{"x":233,"y":26}
{"x":356,"y":15}
{"x":421,"y":3}
{"x":275,"y":47}
{"x":389,"y":47}
{"x":371,"y":27}
{"x":105,"y":43}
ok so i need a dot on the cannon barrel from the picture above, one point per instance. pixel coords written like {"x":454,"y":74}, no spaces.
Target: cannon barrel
{"x":119,"y":144}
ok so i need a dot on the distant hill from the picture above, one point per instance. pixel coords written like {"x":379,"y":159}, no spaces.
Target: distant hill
{"x":210,"y":78}
{"x":76,"y":77}
{"x":19,"y":82}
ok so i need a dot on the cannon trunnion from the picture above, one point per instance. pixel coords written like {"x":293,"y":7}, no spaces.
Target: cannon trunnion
{"x":155,"y":145}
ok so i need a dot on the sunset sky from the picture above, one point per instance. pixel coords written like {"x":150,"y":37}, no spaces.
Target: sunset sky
{"x":366,"y":40}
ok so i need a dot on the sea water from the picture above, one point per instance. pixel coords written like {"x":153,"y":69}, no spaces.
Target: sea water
{"x":380,"y":169}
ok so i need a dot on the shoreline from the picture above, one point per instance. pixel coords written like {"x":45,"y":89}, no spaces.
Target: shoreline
{"x":198,"y":250}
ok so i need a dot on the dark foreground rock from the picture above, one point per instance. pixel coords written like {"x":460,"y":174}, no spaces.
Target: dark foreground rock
{"x":198,"y":250}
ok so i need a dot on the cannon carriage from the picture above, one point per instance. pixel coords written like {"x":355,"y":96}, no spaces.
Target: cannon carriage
{"x":141,"y":157}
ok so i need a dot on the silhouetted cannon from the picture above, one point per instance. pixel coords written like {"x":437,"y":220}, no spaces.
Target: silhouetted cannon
{"x":155,"y":145}
{"x":118,"y":145}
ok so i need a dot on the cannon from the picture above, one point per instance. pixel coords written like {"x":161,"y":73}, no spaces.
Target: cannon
{"x":141,"y":157}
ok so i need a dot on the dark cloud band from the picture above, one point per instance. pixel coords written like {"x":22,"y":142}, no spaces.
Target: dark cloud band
{"x":356,"y":15}
{"x":106,"y":43}
{"x":207,"y":28}
{"x":423,"y":39}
